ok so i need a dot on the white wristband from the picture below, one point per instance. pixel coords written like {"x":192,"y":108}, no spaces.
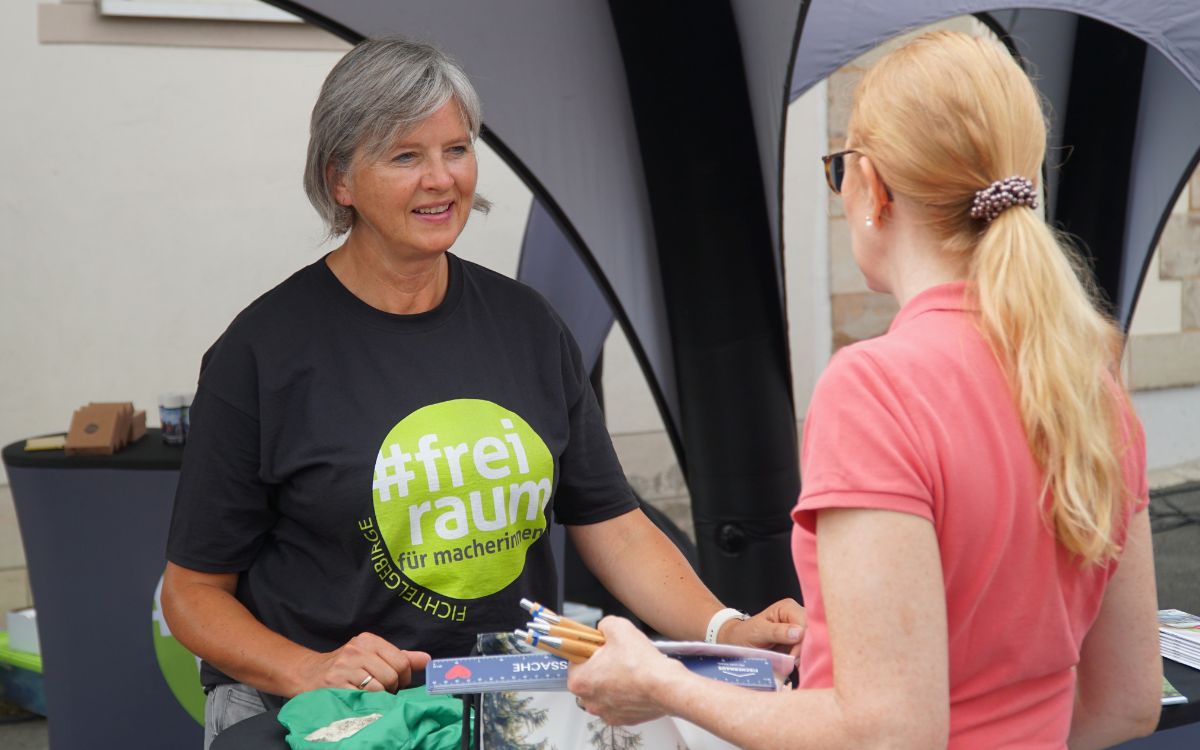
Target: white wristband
{"x":720,"y":618}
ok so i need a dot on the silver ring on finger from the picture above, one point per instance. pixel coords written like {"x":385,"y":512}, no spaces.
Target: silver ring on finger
{"x":366,"y":681}
{"x":579,"y":702}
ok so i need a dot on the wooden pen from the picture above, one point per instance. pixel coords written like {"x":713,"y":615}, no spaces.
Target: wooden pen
{"x":575,"y":652}
{"x":539,"y":612}
{"x":561,"y":631}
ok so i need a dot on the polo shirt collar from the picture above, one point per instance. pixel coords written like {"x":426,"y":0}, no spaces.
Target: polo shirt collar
{"x":951,"y":296}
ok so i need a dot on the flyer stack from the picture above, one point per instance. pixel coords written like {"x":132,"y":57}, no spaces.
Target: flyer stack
{"x":1179,"y":636}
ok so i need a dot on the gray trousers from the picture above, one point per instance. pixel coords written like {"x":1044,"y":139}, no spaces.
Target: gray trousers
{"x":225,"y":706}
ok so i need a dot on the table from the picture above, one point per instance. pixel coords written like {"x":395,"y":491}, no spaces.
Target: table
{"x":94,"y":530}
{"x":1187,"y":681}
{"x":1178,"y":728}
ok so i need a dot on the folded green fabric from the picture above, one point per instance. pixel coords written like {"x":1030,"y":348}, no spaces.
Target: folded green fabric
{"x":411,"y":719}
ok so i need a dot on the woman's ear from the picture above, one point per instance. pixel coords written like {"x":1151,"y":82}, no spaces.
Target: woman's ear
{"x":877,"y":194}
{"x":341,"y":186}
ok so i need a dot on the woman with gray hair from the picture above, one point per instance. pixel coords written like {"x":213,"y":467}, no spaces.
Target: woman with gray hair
{"x":378,"y":443}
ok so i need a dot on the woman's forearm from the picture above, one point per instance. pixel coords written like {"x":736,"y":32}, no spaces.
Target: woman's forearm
{"x":1118,"y":681}
{"x":646,"y":572}
{"x":210,"y":622}
{"x":1107,"y":727}
{"x":628,"y":682}
{"x":791,"y":720}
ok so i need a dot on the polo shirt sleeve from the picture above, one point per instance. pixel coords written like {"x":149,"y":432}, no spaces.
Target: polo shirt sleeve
{"x":860,"y":447}
{"x":1133,"y":461}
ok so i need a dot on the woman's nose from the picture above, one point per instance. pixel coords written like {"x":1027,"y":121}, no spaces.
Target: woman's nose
{"x":437,"y":176}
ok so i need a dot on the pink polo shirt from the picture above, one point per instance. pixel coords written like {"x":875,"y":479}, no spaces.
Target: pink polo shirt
{"x":921,"y":421}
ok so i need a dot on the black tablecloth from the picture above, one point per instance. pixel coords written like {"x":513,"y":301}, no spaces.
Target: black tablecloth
{"x":147,"y":453}
{"x":1187,"y":681}
{"x":93,"y":528}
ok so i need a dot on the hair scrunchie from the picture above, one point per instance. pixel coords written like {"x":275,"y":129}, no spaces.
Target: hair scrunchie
{"x":994,"y":199}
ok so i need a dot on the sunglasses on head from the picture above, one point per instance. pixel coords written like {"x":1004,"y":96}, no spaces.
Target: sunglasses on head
{"x":835,"y":169}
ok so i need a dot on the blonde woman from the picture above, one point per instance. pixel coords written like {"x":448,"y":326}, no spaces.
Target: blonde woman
{"x":972,"y":537}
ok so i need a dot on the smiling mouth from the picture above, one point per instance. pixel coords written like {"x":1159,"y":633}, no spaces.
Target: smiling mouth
{"x":433,"y":210}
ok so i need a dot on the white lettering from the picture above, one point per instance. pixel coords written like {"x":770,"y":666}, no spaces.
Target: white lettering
{"x":539,"y":666}
{"x":515,"y":441}
{"x":414,"y":521}
{"x":486,"y":451}
{"x":538,"y":496}
{"x":481,"y":520}
{"x":453,"y":455}
{"x":391,"y":471}
{"x":428,"y":455}
{"x":456,"y":515}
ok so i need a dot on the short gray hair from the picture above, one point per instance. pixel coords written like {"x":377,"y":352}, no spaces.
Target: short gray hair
{"x":379,"y":90}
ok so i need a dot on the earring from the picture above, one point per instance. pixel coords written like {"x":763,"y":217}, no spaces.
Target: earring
{"x":870,"y":223}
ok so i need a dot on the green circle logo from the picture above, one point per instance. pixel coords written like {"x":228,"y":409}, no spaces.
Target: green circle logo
{"x":460,"y":493}
{"x":180,"y":668}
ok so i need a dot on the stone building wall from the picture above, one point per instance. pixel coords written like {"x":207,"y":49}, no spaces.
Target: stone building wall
{"x":1165,"y":353}
{"x":857,"y":313}
{"x":650,"y":466}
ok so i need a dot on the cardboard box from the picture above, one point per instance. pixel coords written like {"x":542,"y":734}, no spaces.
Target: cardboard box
{"x":137,"y":429}
{"x":101,"y":429}
{"x":22,"y":630}
{"x":93,"y":431}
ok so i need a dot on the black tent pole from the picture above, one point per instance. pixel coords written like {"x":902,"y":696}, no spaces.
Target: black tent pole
{"x":725,"y":313}
{"x":1099,"y":133}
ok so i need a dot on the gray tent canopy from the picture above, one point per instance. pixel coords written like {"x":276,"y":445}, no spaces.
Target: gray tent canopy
{"x":652,"y":137}
{"x":550,"y":264}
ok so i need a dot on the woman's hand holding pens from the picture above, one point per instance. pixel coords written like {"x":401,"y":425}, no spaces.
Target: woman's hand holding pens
{"x":779,"y":627}
{"x":617,"y":674}
{"x":620,"y":683}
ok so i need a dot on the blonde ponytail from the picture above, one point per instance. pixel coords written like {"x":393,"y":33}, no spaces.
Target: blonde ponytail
{"x":943,"y":117}
{"x":1061,"y":357}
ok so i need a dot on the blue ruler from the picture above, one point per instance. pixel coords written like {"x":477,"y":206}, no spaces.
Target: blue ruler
{"x":485,"y":674}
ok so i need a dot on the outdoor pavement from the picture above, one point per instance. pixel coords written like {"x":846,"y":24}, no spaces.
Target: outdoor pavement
{"x":25,"y":734}
{"x":1175,"y":510}
{"x":1175,"y":520}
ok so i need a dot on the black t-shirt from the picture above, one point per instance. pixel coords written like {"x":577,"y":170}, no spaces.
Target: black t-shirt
{"x":393,"y":474}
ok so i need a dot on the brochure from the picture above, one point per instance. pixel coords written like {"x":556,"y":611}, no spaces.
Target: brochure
{"x":1170,"y":695}
{"x":1179,"y":636}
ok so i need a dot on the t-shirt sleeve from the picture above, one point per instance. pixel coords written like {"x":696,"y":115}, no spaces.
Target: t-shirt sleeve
{"x":1134,"y":460}
{"x":592,"y":486}
{"x":223,"y":510}
{"x":860,"y":448}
